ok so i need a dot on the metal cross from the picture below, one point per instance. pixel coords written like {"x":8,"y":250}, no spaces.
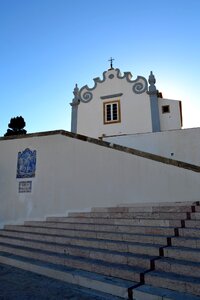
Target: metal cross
{"x":111,"y":61}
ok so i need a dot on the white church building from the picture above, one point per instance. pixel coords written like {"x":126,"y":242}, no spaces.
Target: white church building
{"x":118,"y":105}
{"x":133,"y":113}
{"x":126,"y":145}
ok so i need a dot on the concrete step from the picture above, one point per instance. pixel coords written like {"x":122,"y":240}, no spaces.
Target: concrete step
{"x":106,"y":250}
{"x":184,"y":253}
{"x":195,"y":216}
{"x":64,"y":236}
{"x":148,"y":292}
{"x":44,"y":227}
{"x":180,"y":283}
{"x":160,"y":204}
{"x":129,"y":243}
{"x":116,"y":221}
{"x":189,"y":242}
{"x":178,"y":266}
{"x":197,"y":208}
{"x":87,"y":264}
{"x":133,"y":215}
{"x":100,"y":283}
{"x":189,"y":232}
{"x":152,"y":209}
{"x":192,"y":224}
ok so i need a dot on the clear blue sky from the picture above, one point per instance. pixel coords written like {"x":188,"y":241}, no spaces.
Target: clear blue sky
{"x":46,"y":46}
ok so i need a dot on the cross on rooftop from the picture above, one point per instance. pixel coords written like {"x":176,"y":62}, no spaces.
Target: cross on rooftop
{"x":111,"y":61}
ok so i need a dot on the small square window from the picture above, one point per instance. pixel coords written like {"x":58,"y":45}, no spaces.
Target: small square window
{"x":165,"y":109}
{"x":112,"y":112}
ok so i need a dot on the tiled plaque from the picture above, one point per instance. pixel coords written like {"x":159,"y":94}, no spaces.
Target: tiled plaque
{"x":25,"y":186}
{"x":26,"y":164}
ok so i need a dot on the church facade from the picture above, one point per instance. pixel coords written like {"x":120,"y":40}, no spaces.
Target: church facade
{"x":118,"y":105}
{"x":133,"y":113}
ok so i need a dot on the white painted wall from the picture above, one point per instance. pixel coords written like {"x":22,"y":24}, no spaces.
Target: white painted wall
{"x":171,"y":120}
{"x":135,"y":109}
{"x":183,"y":145}
{"x":72,"y":174}
{"x":136,"y":114}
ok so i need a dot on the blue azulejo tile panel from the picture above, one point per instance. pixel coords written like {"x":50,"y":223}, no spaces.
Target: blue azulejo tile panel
{"x":26,"y":164}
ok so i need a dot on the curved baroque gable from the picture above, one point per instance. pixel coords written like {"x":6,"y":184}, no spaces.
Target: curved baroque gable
{"x":139,"y":85}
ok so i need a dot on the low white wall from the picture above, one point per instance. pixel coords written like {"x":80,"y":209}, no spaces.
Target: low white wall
{"x":72,"y":174}
{"x":183,"y":144}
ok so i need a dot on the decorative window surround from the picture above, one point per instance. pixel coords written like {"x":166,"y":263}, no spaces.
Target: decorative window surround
{"x":111,"y":112}
{"x":111,"y":96}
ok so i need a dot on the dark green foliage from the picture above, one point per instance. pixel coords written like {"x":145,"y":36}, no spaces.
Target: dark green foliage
{"x":16,"y":126}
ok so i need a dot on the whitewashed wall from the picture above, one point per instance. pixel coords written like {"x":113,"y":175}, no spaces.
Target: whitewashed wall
{"x":72,"y":174}
{"x":138,"y":109}
{"x":90,"y":114}
{"x":171,"y":120}
{"x":183,"y":145}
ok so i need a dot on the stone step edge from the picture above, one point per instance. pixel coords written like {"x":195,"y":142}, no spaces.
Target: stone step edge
{"x":136,"y":289}
{"x":144,"y":208}
{"x":144,"y":257}
{"x":181,"y":248}
{"x":48,"y":224}
{"x":158,"y":247}
{"x":55,"y":231}
{"x":166,"y":203}
{"x":147,"y":209}
{"x":189,"y":263}
{"x":173,"y":276}
{"x":175,"y":235}
{"x":191,"y":224}
{"x":76,"y":258}
{"x":131,"y":243}
{"x":148,"y":292}
{"x":105,"y":284}
{"x":178,"y":266}
{"x":151,"y":258}
{"x":73,"y":220}
{"x":180,"y":283}
{"x":135,"y":216}
{"x":182,"y":238}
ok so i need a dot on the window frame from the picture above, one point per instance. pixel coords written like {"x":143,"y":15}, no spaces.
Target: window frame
{"x":164,"y":107}
{"x":105,"y":105}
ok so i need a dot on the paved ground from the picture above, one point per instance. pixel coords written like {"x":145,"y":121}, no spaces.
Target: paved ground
{"x":16,"y":284}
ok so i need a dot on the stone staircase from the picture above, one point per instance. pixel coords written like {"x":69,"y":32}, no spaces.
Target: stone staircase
{"x":133,"y":252}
